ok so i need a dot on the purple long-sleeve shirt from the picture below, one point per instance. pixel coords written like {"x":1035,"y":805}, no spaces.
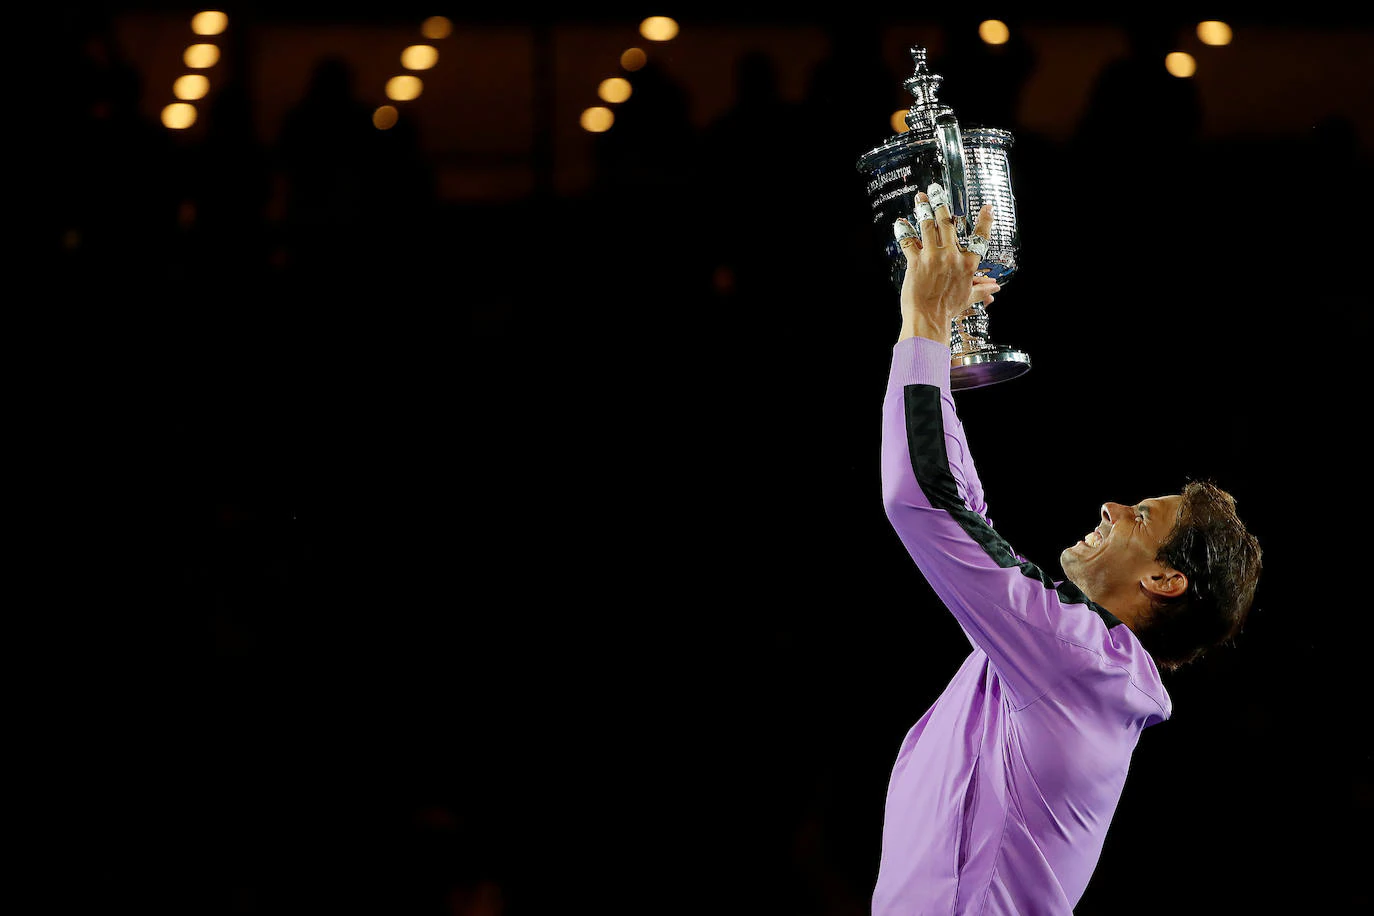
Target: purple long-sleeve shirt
{"x":1002,"y":793}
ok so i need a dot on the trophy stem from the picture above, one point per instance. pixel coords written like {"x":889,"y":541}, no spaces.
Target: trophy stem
{"x":975,"y":360}
{"x":969,"y":332}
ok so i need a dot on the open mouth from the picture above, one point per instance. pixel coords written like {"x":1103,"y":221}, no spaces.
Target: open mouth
{"x":1099,"y":534}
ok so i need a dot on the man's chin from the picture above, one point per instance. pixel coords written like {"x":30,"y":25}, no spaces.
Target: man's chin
{"x":1070,"y":565}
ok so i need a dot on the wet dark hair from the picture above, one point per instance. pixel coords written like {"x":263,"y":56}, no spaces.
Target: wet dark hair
{"x":1211,"y":546}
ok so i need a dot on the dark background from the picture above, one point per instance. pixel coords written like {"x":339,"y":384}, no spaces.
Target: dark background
{"x":537,"y":590}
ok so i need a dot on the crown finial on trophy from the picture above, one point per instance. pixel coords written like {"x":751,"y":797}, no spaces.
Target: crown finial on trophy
{"x":923,"y":86}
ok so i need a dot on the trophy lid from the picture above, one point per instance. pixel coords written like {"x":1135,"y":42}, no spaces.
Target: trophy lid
{"x":924,"y":86}
{"x":926,"y":109}
{"x":925,"y":119}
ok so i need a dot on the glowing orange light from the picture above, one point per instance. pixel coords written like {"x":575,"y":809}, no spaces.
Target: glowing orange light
{"x":436,"y":27}
{"x":385,"y":117}
{"x":1214,"y":32}
{"x":209,"y":22}
{"x":1180,"y":64}
{"x":419,"y":57}
{"x":190,"y":87}
{"x":178,"y":116}
{"x":658,"y":28}
{"x":994,"y":31}
{"x":199,"y":57}
{"x":404,"y":88}
{"x":597,"y":119}
{"x":614,"y":90}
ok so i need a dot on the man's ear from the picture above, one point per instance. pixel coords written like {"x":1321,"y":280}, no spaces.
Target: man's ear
{"x":1166,"y":583}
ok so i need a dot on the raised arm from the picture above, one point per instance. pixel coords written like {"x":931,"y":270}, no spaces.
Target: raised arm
{"x":1033,"y":631}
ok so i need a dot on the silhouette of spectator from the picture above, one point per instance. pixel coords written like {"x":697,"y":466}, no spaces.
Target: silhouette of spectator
{"x":403,"y":194}
{"x":1333,"y":147}
{"x":752,"y":172}
{"x":850,"y":97}
{"x":652,"y":146}
{"x":1137,"y":108}
{"x":646,"y":177}
{"x":758,"y":115}
{"x":231,"y":182}
{"x":327,"y":153}
{"x":118,"y":176}
{"x":1139,"y":136}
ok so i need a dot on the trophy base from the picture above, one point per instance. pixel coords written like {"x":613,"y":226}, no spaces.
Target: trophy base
{"x":987,"y":367}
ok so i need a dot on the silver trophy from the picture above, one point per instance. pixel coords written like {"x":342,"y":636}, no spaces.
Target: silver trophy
{"x":972,"y":165}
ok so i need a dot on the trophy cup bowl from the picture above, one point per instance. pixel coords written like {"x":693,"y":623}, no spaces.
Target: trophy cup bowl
{"x":973,"y":166}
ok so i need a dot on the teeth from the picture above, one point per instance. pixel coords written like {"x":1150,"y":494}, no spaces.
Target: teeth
{"x":1093,"y":539}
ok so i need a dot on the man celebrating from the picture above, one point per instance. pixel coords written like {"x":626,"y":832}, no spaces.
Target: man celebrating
{"x":1001,"y":795}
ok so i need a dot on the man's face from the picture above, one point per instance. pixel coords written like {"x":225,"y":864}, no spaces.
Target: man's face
{"x":1117,"y":556}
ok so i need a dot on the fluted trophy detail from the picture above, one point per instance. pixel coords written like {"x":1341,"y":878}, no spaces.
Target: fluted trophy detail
{"x":972,"y":164}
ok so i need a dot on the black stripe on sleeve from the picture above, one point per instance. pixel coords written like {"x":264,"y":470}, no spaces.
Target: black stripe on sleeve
{"x":925,"y":439}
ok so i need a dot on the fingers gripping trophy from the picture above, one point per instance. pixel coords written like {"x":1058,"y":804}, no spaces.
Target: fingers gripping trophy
{"x":972,"y":166}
